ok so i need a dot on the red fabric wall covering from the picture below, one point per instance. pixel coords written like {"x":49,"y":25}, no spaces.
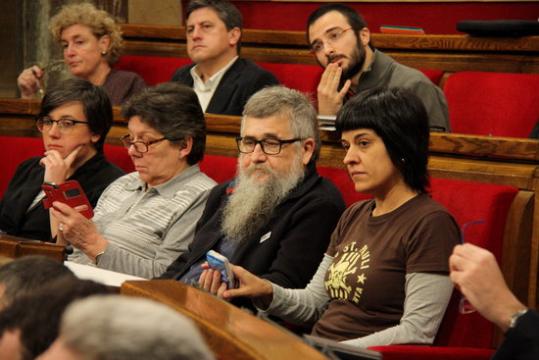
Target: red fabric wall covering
{"x":434,"y":18}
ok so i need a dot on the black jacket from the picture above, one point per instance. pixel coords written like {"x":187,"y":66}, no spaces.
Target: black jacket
{"x":300,"y":227}
{"x":94,"y":176}
{"x":241,"y":80}
{"x":521,"y":342}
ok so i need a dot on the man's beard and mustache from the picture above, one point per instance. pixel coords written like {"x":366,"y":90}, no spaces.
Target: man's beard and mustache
{"x":252,"y":203}
{"x":357,"y":60}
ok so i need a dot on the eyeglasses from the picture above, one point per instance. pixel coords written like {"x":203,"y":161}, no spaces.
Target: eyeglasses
{"x":465,"y":307}
{"x":64,"y":125}
{"x":140,"y":146}
{"x":330,"y":37}
{"x":269,"y":146}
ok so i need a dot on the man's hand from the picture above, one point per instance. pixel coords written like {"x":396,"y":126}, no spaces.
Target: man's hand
{"x":29,"y":81}
{"x":210,"y":280}
{"x":476,"y":274}
{"x":330,"y":99}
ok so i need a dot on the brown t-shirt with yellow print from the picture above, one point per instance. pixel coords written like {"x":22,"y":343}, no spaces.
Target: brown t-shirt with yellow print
{"x":372,"y":255}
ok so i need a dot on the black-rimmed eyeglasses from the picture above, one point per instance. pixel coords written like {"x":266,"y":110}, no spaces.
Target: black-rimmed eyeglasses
{"x":64,"y":124}
{"x":270,"y":146}
{"x":140,"y":145}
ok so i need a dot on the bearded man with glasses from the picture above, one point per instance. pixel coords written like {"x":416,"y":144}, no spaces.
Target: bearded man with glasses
{"x":341,"y":42}
{"x":276,"y":217}
{"x":74,"y":120}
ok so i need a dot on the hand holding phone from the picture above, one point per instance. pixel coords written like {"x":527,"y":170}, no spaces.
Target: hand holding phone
{"x":69,"y":193}
{"x":219,"y":262}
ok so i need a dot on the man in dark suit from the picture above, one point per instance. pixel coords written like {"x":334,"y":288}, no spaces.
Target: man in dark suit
{"x":276,"y":217}
{"x":221,"y":79}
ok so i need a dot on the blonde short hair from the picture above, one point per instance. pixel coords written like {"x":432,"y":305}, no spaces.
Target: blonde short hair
{"x":100,"y":23}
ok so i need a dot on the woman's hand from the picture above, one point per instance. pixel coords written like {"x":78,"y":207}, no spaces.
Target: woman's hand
{"x":78,"y":231}
{"x":29,"y":81}
{"x":58,"y":169}
{"x":250,"y":286}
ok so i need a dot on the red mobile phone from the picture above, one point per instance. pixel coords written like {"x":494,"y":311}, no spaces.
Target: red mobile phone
{"x":69,"y":193}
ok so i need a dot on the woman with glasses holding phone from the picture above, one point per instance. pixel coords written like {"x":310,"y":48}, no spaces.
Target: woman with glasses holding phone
{"x":146,"y":219}
{"x":74,"y":120}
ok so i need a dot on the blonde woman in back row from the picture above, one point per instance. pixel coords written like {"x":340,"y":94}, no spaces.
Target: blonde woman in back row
{"x":92,"y":43}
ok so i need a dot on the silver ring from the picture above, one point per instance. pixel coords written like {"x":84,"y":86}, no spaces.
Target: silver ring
{"x":61,"y":227}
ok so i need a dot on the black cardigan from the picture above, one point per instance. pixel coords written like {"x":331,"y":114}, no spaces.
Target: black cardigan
{"x":300,"y":227}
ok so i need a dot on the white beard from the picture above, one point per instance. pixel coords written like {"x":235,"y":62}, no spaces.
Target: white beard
{"x":251,"y":205}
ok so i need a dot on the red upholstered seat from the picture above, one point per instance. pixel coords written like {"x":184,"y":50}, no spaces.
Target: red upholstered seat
{"x":301,"y":77}
{"x":219,"y":168}
{"x":339,"y":177}
{"x":153,"y":69}
{"x":118,"y":156}
{"x":406,"y":352}
{"x":498,"y":104}
{"x":15,"y":150}
{"x":434,"y":75}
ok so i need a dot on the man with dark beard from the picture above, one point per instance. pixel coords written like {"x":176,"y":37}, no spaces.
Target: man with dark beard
{"x":340,"y":40}
{"x":276,"y":217}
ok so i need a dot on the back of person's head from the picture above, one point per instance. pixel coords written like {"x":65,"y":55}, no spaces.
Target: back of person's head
{"x":173,"y":110}
{"x":37,"y":315}
{"x":399,"y":117}
{"x":354,"y":18}
{"x":27,"y":274}
{"x":226,"y":11}
{"x":124,"y":328}
{"x":95,"y":103}
{"x":100,"y":23}
{"x":294,"y":105}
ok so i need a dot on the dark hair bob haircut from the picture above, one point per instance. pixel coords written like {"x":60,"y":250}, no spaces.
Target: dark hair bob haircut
{"x":173,"y":110}
{"x":95,"y":104}
{"x":399,"y":117}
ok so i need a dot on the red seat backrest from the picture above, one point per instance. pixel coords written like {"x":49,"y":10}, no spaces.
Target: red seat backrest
{"x":339,"y":177}
{"x":220,"y":168}
{"x":434,"y":75}
{"x":153,"y":69}
{"x":301,"y":77}
{"x":14,"y":150}
{"x":117,"y":155}
{"x":498,"y":104}
{"x":470,"y":202}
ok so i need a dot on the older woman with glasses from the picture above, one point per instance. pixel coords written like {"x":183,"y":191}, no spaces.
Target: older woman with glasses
{"x":146,"y":219}
{"x":74,"y":120}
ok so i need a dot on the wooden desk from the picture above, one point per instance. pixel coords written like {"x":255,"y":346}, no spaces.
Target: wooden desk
{"x":14,"y":247}
{"x":230,"y":332}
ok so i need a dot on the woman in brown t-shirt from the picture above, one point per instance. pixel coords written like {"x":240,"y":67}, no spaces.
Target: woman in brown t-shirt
{"x":384,"y":278}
